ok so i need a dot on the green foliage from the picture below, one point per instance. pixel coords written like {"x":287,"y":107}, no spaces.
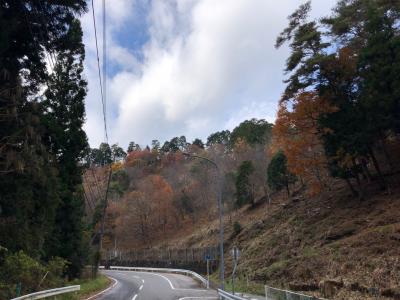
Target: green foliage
{"x":186,"y":204}
{"x":199,"y":143}
{"x":88,"y":287}
{"x":354,"y":65}
{"x":278,"y":175}
{"x":56,"y":268}
{"x":42,"y":141}
{"x":119,"y":182}
{"x":220,"y":137}
{"x":20,"y":269}
{"x":135,"y":147}
{"x":106,"y":154}
{"x":64,"y":118}
{"x":155,"y":146}
{"x":252,"y":131}
{"x":117,"y":153}
{"x":244,"y":189}
{"x":175,"y":144}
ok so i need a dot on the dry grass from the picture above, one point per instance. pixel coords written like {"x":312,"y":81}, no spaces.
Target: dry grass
{"x":299,"y":243}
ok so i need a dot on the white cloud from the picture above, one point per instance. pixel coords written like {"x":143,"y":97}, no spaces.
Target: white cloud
{"x":207,"y":66}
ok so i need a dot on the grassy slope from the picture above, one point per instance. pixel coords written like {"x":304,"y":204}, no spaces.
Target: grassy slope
{"x":88,"y":287}
{"x":302,"y":242}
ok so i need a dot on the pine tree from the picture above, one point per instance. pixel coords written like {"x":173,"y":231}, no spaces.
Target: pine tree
{"x":244,"y":189}
{"x":64,"y":118}
{"x":279,"y":176}
{"x":28,"y":170}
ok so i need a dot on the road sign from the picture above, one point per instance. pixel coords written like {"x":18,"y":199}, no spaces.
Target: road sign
{"x":235,"y":252}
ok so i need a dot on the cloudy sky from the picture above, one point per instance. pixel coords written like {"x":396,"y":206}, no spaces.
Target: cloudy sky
{"x":186,"y":67}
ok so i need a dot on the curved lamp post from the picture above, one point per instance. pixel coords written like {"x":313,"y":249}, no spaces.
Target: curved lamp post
{"x":221,"y":216}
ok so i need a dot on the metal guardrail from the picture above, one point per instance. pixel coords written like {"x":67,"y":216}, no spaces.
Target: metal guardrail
{"x":225,"y":295}
{"x":163,"y":270}
{"x":50,"y":293}
{"x":278,"y":294}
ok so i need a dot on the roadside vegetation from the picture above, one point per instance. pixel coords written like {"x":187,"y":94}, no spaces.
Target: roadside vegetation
{"x":21,"y":274}
{"x":89,"y":287}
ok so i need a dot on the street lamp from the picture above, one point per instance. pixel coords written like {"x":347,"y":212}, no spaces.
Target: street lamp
{"x":221,"y":216}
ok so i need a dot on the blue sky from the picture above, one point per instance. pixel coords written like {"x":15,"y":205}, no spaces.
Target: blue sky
{"x":186,"y":67}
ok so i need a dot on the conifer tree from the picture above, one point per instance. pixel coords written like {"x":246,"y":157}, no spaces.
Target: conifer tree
{"x":64,"y":118}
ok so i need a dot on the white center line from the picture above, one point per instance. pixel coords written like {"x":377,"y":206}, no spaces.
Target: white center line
{"x":134,"y":297}
{"x":174,"y":288}
{"x":141,"y":287}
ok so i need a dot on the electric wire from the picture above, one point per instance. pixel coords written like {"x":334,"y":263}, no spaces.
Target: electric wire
{"x":99,"y":72}
{"x":103,"y":84}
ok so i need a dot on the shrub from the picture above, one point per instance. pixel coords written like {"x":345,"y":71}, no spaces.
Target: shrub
{"x":20,"y":268}
{"x":237,"y":228}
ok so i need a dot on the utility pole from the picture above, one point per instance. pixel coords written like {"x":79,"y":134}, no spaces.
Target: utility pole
{"x":221,"y":217}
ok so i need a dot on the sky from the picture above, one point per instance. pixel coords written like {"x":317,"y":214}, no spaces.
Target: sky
{"x":186,"y":67}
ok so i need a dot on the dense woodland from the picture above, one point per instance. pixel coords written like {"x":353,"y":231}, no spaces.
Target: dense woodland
{"x":42,"y":143}
{"x":338,"y":120}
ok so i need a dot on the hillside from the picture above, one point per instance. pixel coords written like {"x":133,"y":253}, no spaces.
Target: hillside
{"x":331,"y":242}
{"x":311,"y":200}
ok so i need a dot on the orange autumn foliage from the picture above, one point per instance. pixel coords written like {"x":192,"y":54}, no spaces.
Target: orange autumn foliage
{"x":116,"y":166}
{"x":140,"y":158}
{"x":297,"y":133}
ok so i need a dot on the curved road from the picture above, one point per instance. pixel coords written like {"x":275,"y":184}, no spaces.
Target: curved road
{"x":132,"y":285}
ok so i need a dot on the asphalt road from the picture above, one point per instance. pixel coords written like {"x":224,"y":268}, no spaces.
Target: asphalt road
{"x":154,"y":286}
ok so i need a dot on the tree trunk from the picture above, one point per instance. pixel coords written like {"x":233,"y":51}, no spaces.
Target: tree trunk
{"x":381,"y":179}
{"x":287,"y":190}
{"x":359,"y":183}
{"x":301,"y":181}
{"x":387,"y":156}
{"x":353,"y":191}
{"x":366,"y":172}
{"x":268,"y":195}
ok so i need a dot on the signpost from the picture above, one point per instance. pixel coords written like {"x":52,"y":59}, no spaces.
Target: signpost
{"x":235,"y":252}
{"x":208,"y":258}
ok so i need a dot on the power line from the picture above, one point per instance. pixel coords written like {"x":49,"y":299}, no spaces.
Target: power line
{"x":99,"y":72}
{"x":103,"y":85}
{"x":105,"y":121}
{"x":105,"y":65}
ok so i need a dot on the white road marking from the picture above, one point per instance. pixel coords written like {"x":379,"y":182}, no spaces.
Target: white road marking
{"x":107,"y":289}
{"x":141,"y":287}
{"x":171,"y":285}
{"x":134,"y":297}
{"x":184,"y":298}
{"x":142,"y":280}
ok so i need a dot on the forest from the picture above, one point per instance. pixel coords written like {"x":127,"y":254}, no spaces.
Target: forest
{"x":42,"y":144}
{"x":64,"y":204}
{"x":338,"y":119}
